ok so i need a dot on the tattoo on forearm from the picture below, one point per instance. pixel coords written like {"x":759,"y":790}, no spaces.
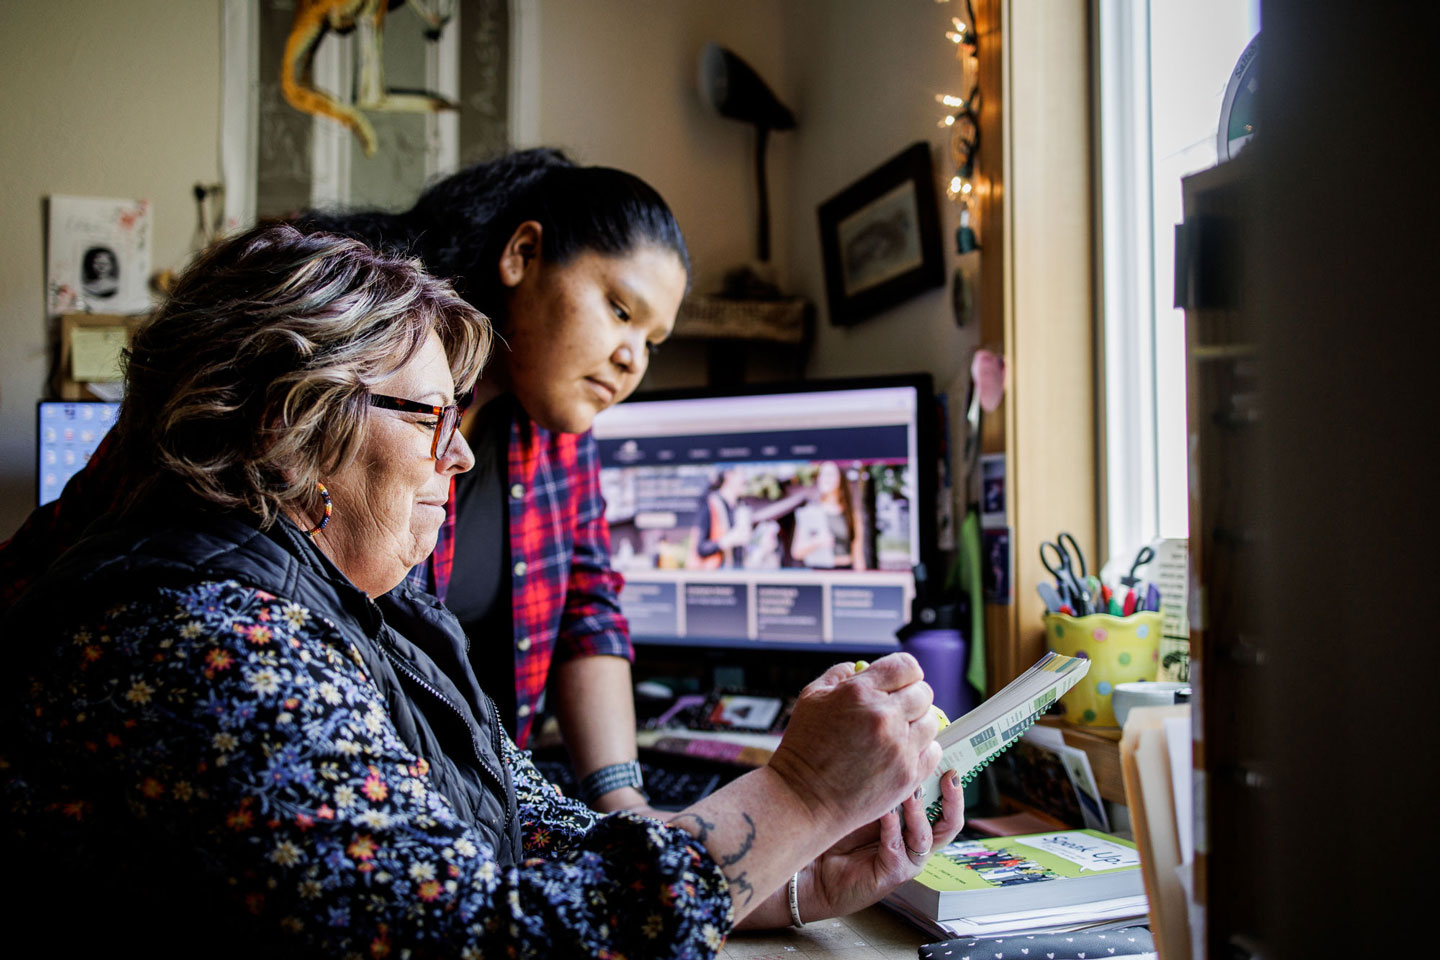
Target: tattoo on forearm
{"x":740,"y":883}
{"x":744,"y":847}
{"x":702,"y":826}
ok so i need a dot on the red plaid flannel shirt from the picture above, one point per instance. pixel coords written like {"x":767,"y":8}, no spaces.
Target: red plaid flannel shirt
{"x":565,"y":595}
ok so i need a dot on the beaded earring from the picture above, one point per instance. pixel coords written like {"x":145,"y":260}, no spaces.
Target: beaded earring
{"x":325,"y":496}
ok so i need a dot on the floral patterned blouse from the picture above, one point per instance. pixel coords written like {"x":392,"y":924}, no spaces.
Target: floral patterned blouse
{"x":242,"y":733}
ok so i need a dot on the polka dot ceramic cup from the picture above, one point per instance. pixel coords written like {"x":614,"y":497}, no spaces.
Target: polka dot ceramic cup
{"x":1120,"y":650}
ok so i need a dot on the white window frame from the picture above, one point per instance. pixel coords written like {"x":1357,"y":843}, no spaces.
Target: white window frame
{"x":1127,"y":279}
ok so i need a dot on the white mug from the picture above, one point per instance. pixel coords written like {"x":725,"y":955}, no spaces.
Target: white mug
{"x":1146,"y":693}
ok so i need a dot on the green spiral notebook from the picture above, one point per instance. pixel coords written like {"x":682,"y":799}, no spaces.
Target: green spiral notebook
{"x":972,"y":741}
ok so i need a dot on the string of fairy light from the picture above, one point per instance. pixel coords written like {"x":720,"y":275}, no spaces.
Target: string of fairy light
{"x":962,"y":119}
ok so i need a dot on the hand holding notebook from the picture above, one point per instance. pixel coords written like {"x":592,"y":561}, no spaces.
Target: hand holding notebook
{"x":885,"y":709}
{"x":970,"y":742}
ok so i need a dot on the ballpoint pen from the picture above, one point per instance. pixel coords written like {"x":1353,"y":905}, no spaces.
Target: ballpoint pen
{"x":1106,"y":601}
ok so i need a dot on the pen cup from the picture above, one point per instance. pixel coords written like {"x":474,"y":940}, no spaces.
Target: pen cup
{"x":1120,"y":649}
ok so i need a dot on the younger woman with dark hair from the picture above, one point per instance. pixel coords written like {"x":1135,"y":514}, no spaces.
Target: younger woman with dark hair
{"x":582,"y":270}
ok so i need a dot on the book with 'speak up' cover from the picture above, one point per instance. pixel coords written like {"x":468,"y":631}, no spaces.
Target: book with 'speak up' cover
{"x":972,"y":878}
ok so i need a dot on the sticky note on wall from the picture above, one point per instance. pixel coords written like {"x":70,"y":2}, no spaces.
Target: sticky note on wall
{"x":95,"y":354}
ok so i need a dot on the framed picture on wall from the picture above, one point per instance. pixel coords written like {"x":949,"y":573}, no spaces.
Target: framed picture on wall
{"x":97,"y":256}
{"x":880,"y":238}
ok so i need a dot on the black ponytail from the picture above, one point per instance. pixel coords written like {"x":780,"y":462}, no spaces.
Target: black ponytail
{"x":460,"y":225}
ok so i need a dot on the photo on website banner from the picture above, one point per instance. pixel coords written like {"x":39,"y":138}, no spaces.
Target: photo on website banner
{"x":826,"y":515}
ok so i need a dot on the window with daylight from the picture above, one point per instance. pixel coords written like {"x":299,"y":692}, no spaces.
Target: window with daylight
{"x":1164,"y":66}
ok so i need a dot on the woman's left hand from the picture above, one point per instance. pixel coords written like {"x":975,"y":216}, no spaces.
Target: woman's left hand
{"x":875,"y":859}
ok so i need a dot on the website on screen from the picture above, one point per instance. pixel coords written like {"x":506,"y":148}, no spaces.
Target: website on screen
{"x":786,"y":518}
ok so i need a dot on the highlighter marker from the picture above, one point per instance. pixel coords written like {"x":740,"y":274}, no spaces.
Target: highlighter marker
{"x":939,"y":714}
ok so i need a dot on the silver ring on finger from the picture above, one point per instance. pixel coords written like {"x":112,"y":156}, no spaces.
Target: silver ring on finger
{"x":918,"y":854}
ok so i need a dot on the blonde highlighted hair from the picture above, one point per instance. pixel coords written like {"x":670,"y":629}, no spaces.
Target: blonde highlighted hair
{"x":252,"y":381}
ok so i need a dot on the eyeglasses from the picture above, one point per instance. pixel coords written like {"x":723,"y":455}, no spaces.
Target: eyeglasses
{"x":449,"y":419}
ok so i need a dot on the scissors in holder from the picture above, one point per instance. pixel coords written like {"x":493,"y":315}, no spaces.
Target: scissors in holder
{"x":1050,"y":596}
{"x":1067,"y":566}
{"x":1144,"y":556}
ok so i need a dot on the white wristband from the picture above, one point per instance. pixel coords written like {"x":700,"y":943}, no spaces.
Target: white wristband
{"x":795,"y":920}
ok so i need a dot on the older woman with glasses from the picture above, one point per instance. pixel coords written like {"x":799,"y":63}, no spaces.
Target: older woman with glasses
{"x":582,"y":270}
{"x":229,"y":728}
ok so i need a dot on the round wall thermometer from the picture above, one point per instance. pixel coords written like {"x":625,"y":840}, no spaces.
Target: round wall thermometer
{"x":1237,"y":113}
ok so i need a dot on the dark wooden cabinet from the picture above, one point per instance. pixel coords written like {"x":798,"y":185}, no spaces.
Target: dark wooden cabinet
{"x":1312,"y":328}
{"x":1224,"y":416}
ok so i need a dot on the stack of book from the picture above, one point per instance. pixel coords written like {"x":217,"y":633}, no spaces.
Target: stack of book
{"x":1060,"y":880}
{"x":1053,"y":882}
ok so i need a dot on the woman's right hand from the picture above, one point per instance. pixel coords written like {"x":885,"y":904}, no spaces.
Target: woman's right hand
{"x":870,"y":862}
{"x":857,"y":744}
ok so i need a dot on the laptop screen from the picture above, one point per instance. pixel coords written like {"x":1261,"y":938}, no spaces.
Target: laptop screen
{"x":68,"y":431}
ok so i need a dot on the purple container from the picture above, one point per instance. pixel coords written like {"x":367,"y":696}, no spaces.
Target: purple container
{"x":941,"y":654}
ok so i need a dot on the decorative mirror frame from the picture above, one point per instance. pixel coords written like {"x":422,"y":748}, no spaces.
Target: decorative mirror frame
{"x":330,"y":152}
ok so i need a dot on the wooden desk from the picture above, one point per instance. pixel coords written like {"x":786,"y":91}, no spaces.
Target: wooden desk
{"x":870,"y":934}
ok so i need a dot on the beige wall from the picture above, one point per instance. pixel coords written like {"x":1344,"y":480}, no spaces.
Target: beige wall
{"x":122,"y":99}
{"x":866,"y":76}
{"x":618,"y":87}
{"x":101,"y":99}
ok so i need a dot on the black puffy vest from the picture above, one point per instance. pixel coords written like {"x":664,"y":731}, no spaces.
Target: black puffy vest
{"x":413,"y":647}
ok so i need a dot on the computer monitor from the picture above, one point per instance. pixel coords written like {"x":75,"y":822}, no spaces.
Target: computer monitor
{"x":67,"y":433}
{"x":784,"y":517}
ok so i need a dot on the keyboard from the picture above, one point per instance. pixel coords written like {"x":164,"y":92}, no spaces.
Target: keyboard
{"x":675,"y":788}
{"x":672,"y":783}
